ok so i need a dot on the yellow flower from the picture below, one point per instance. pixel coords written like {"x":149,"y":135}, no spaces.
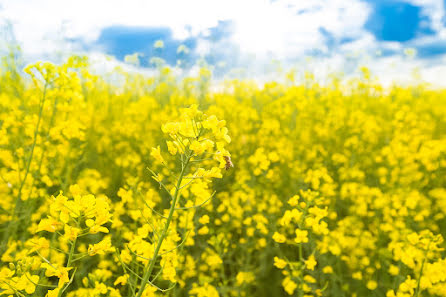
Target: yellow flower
{"x":293,"y":201}
{"x":50,"y":225}
{"x":357,"y":275}
{"x":40,"y":244}
{"x":27,"y":283}
{"x":71,"y":232}
{"x":277,"y":237}
{"x":99,"y":288}
{"x":94,"y":227}
{"x":100,"y":248}
{"x":301,"y":236}
{"x":53,"y":293}
{"x":413,"y":238}
{"x":206,"y":290}
{"x":244,"y":277}
{"x":215,"y":172}
{"x":309,"y":279}
{"x":327,"y":270}
{"x":289,"y":286}
{"x":310,"y":263}
{"x":204,"y":219}
{"x":372,"y":285}
{"x":156,"y":154}
{"x":5,"y":273}
{"x":122,"y":280}
{"x":57,"y":271}
{"x":172,"y":148}
{"x":170,"y":128}
{"x":203,"y":230}
{"x":279,"y":263}
{"x":197,"y":147}
{"x":393,"y":270}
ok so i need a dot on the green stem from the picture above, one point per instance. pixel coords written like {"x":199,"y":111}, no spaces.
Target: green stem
{"x":70,"y":258}
{"x":421,"y":271}
{"x":148,"y":272}
{"x":30,"y":209}
{"x":12,"y":226}
{"x":300,"y":252}
{"x":28,"y":165}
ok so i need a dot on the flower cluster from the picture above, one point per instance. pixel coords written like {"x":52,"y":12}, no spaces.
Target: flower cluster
{"x":125,"y":185}
{"x":303,"y":221}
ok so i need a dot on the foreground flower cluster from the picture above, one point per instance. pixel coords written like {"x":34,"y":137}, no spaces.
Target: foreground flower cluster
{"x":124,"y":185}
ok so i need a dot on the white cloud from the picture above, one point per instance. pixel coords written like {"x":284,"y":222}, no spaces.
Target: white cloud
{"x":278,"y":27}
{"x":36,"y":22}
{"x":434,"y":10}
{"x":263,"y":28}
{"x":261,"y":25}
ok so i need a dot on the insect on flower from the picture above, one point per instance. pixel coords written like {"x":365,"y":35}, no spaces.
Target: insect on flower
{"x":228,"y":164}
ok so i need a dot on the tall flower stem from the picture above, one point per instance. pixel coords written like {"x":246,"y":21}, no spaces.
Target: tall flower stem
{"x":12,"y":225}
{"x":163,"y":235}
{"x":421,"y":271}
{"x":70,"y":258}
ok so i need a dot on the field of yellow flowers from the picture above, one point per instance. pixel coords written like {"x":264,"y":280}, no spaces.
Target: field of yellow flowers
{"x":126,"y":185}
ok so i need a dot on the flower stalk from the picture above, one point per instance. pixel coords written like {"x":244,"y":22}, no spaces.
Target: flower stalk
{"x":151,"y":264}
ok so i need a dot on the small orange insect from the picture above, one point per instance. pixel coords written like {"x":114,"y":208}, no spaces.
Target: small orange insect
{"x":228,"y":164}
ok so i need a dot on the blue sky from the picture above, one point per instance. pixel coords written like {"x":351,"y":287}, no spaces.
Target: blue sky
{"x":336,"y":35}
